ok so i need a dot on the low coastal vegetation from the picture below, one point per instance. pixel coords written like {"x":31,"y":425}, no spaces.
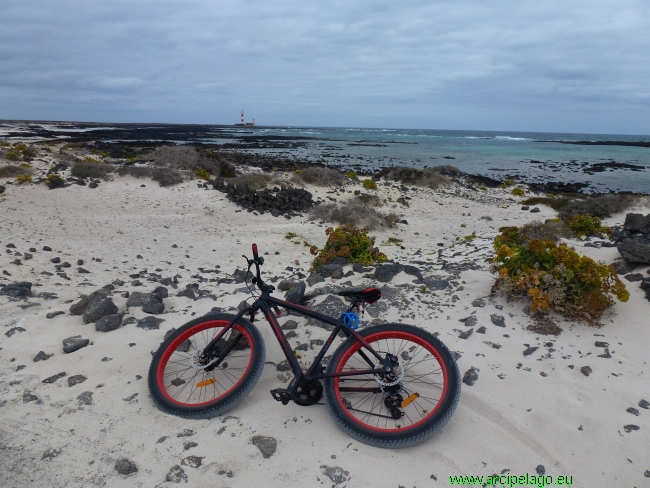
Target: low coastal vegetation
{"x":598,"y":206}
{"x":319,"y":176}
{"x":23,"y":179}
{"x":434,"y":178}
{"x":92,"y":170}
{"x":369,"y":184}
{"x":554,"y":276}
{"x":254,"y":181}
{"x":353,"y":212}
{"x":13,"y":170}
{"x":348,"y":242}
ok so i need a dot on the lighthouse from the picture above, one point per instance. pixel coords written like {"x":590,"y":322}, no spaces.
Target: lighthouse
{"x":243,"y":122}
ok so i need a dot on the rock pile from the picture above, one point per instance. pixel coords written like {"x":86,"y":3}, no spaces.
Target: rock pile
{"x":278,"y":201}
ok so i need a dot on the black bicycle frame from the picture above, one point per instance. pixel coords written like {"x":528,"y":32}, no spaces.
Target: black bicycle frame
{"x":264,"y":303}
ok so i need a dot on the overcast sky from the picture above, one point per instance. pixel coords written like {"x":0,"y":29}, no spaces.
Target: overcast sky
{"x":550,"y":65}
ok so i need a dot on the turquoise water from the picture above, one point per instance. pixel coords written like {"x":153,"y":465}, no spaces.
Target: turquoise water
{"x":494,"y":154}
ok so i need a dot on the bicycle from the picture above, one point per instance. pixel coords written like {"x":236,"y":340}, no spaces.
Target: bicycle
{"x":388,"y":385}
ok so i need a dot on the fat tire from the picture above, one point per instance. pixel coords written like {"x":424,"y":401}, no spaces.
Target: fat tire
{"x":395,"y":440}
{"x":233,"y":397}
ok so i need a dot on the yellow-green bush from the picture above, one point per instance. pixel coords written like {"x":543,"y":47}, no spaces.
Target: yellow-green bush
{"x":518,"y":192}
{"x":23,"y":179}
{"x":585,"y":225}
{"x":54,"y":181}
{"x":202,"y":174}
{"x":506,"y":184}
{"x":351,"y":174}
{"x":554,"y":276}
{"x":13,"y":155}
{"x":369,"y":184}
{"x":348,"y":242}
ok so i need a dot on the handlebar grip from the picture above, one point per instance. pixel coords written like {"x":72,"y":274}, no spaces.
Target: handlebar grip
{"x":255,"y":256}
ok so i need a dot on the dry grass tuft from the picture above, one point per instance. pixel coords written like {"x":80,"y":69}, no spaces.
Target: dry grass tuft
{"x":320,"y":177}
{"x":551,"y":230}
{"x":11,"y":171}
{"x":254,"y":181}
{"x":191,"y":158}
{"x":352,"y":212}
{"x":599,"y":206}
{"x":545,"y":325}
{"x":434,"y":178}
{"x":92,"y":170}
{"x":167,"y":176}
{"x":136,"y":171}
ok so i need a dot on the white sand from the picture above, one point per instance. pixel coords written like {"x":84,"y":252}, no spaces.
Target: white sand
{"x":515,"y":422}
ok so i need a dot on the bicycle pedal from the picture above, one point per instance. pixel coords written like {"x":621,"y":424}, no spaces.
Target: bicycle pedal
{"x":281,"y":395}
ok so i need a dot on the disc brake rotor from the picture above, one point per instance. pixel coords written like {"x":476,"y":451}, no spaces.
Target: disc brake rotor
{"x":195,"y":361}
{"x":391,"y":380}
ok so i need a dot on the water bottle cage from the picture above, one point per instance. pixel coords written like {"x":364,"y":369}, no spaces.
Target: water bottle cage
{"x":350,"y":319}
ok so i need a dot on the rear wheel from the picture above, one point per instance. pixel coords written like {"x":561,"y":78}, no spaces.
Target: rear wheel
{"x":399,"y":409}
{"x":182,"y":383}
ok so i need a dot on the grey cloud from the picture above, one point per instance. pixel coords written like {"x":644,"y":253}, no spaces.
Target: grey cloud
{"x":465,"y":64}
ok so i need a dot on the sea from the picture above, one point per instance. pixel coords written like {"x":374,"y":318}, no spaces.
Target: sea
{"x":601,"y":161}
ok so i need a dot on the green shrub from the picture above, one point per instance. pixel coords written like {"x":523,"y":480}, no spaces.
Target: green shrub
{"x":554,"y":277}
{"x":369,"y":184}
{"x":348,"y":242}
{"x":101,"y":153}
{"x":30,"y":152}
{"x":351,"y":174}
{"x":130,"y":155}
{"x":554,"y":203}
{"x":92,"y":170}
{"x":320,"y":176}
{"x":352,"y":212}
{"x":585,"y":225}
{"x":167,"y":176}
{"x":506,"y":184}
{"x":202,"y":174}
{"x":11,"y":171}
{"x":54,"y":181}
{"x":13,"y":155}
{"x":518,"y":192}
{"x":23,"y":179}
{"x":4,"y":144}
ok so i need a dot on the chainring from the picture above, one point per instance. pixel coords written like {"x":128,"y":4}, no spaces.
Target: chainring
{"x":308,"y":392}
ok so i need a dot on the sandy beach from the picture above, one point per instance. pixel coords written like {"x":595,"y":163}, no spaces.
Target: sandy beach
{"x":531,"y":409}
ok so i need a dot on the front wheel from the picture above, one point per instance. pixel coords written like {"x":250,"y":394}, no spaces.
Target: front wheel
{"x":399,"y":409}
{"x":183,"y":384}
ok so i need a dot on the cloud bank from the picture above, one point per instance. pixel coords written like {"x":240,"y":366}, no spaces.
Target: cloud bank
{"x":578,"y":66}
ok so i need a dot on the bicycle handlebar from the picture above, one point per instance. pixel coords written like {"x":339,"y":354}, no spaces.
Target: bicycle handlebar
{"x":255,"y":256}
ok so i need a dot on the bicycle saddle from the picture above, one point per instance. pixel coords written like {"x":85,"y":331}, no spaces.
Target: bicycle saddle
{"x":368,"y":295}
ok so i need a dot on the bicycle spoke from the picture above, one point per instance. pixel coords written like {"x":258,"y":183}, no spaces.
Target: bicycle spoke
{"x":186,"y":383}
{"x":417,"y":384}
